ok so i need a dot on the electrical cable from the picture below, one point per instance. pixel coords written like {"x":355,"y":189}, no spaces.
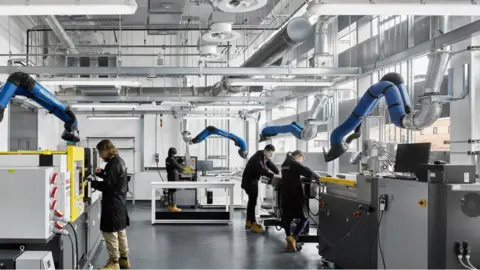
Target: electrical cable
{"x":73,"y":252}
{"x":76,"y":241}
{"x":467,"y":258}
{"x":378,"y":239}
{"x":341,"y":238}
{"x":462,"y":263}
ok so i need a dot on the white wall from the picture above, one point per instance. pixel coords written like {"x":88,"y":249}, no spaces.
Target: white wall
{"x":12,"y":39}
{"x":50,"y":131}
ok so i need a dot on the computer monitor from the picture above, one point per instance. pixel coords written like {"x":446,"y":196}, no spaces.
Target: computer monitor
{"x":410,"y":156}
{"x":205,"y":165}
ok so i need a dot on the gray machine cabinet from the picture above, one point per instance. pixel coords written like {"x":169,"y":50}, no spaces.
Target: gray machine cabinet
{"x":424,"y":236}
{"x":94,"y":233}
{"x":354,"y":250}
{"x":404,"y":224}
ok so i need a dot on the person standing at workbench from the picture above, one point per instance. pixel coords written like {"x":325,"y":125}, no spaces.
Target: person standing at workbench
{"x":173,"y":174}
{"x":114,"y":217}
{"x":258,"y":165}
{"x":292,"y":197}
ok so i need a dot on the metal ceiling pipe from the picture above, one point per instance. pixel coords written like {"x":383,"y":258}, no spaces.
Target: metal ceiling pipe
{"x":321,"y":41}
{"x":430,"y":110}
{"x":293,"y":34}
{"x":310,"y":130}
{"x":60,"y":32}
{"x":183,"y":71}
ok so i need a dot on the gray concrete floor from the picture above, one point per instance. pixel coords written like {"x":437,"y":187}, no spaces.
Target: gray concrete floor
{"x":207,"y":246}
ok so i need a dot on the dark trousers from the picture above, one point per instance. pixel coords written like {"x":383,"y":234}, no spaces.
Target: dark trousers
{"x":171,"y":197}
{"x":301,"y":226}
{"x":252,"y":193}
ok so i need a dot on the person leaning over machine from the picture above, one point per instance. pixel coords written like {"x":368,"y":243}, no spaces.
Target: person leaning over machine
{"x":173,"y":174}
{"x":258,"y":165}
{"x":114,"y":216}
{"x":292,"y":198}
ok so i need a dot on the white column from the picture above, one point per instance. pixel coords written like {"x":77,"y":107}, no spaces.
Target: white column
{"x":302,"y":106}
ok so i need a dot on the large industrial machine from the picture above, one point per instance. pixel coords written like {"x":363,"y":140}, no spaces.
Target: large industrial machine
{"x":423,"y":216}
{"x":45,"y":194}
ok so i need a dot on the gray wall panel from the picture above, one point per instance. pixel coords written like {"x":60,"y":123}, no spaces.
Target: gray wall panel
{"x":23,"y":128}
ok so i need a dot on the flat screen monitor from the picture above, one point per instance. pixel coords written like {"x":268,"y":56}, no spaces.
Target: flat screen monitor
{"x":410,"y":156}
{"x":205,"y":165}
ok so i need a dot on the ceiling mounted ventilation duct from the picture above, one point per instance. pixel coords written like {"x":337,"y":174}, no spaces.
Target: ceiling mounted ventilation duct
{"x":293,"y":34}
{"x":221,"y":32}
{"x":209,"y":52}
{"x":240,"y":6}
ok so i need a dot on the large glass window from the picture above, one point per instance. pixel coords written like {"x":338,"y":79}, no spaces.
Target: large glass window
{"x":321,"y":141}
{"x":288,"y":109}
{"x":439,"y":131}
{"x":347,"y":38}
{"x":284,"y":144}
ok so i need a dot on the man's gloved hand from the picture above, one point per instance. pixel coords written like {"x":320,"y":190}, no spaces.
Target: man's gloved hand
{"x":187,"y":169}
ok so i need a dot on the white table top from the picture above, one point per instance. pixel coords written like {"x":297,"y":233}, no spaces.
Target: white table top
{"x":192,"y":184}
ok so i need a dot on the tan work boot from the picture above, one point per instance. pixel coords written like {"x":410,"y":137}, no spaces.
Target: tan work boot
{"x":124,"y":263}
{"x":248,"y":224}
{"x":291,"y":243}
{"x":257,"y":228}
{"x":176,"y":209}
{"x":111,"y":264}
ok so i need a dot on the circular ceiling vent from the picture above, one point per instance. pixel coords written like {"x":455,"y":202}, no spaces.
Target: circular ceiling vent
{"x":221,"y":32}
{"x":209,"y":52}
{"x":239,"y":6}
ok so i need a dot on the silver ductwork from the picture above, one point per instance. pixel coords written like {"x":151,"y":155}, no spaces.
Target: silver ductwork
{"x":60,"y":32}
{"x":310,"y":130}
{"x":431,"y":107}
{"x":293,"y":34}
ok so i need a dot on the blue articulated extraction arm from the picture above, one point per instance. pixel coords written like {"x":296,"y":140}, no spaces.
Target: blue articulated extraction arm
{"x":294,"y":128}
{"x":22,"y":84}
{"x":392,"y":87}
{"x":211,"y":130}
{"x":307,"y":132}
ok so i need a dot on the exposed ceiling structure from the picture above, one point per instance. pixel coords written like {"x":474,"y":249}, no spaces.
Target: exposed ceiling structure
{"x":183,"y":50}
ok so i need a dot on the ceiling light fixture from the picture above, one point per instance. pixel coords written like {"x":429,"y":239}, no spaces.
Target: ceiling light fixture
{"x":91,"y":82}
{"x":400,"y":7}
{"x":191,"y":117}
{"x":104,"y":105}
{"x":94,"y":117}
{"x":279,"y":82}
{"x":67,"y":7}
{"x":175,"y":103}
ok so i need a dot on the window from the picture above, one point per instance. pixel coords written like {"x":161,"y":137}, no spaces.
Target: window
{"x":375,"y":26}
{"x":441,"y":127}
{"x":284,"y":144}
{"x":318,"y":143}
{"x":289,"y":108}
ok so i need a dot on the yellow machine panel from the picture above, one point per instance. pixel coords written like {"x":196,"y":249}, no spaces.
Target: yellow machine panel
{"x":76,"y":166}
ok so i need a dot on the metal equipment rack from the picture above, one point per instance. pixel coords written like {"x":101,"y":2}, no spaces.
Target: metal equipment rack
{"x":129,"y":147}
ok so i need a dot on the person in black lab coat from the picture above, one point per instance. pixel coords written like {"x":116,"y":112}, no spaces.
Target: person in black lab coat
{"x":173,"y":174}
{"x":292,"y":198}
{"x":114,"y":217}
{"x":258,"y":165}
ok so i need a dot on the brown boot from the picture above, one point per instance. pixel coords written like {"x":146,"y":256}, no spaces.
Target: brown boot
{"x":291,"y":243}
{"x":124,"y":262}
{"x":111,"y":264}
